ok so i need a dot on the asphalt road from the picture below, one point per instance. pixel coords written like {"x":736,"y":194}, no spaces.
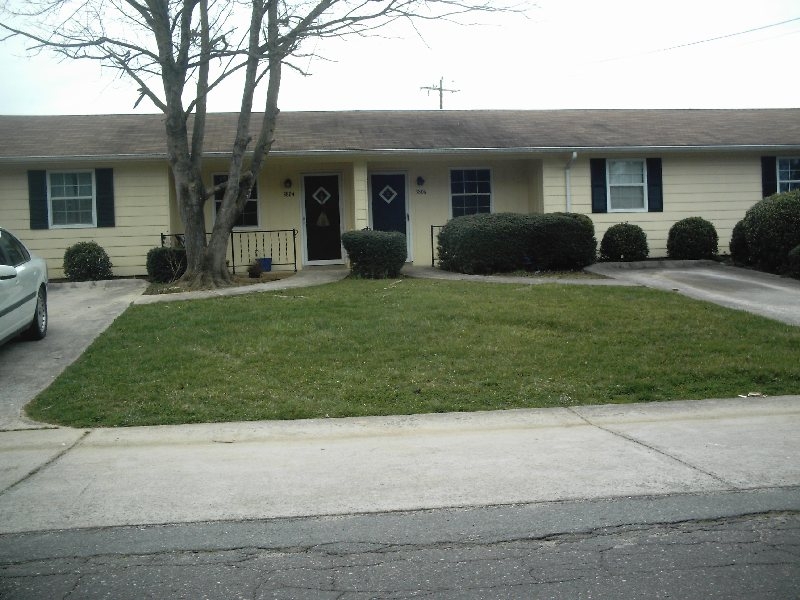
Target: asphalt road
{"x":741,"y":545}
{"x":669,"y":500}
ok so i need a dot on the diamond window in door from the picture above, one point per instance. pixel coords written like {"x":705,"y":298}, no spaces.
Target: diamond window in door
{"x":321,"y":196}
{"x":388,"y":194}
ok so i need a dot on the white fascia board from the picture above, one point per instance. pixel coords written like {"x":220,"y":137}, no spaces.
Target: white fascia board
{"x":423,"y":151}
{"x":98,"y":158}
{"x":537,"y":150}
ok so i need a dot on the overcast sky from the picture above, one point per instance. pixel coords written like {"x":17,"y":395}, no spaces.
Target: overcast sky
{"x":565,"y":54}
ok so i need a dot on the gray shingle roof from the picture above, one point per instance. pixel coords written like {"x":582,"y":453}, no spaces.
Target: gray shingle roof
{"x":375,"y":131}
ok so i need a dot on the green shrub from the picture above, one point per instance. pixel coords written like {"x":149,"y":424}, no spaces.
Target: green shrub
{"x":254,"y":269}
{"x":624,"y":242}
{"x":581,"y":218}
{"x":484,"y":243}
{"x":165,"y":265}
{"x":375,"y":254}
{"x":87,"y":261}
{"x":692,"y":238}
{"x":772,"y":227}
{"x":560,"y":242}
{"x":794,"y":262}
{"x":740,"y":251}
{"x":504,"y":242}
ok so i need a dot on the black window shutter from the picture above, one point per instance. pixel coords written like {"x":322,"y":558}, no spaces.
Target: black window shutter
{"x":104,"y":179}
{"x":597,"y":167}
{"x":37,"y":199}
{"x":769,"y":175}
{"x":655,"y":192}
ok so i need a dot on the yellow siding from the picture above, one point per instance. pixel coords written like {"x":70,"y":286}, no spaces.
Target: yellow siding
{"x":141,"y":193}
{"x":717,"y":187}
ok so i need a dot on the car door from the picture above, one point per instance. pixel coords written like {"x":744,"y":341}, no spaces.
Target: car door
{"x":17,"y":293}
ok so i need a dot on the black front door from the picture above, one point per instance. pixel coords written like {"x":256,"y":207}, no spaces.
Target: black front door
{"x":323,"y":220}
{"x":388,"y":192}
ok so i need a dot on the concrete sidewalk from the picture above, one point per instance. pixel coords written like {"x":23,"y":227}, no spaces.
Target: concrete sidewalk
{"x":66,"y":478}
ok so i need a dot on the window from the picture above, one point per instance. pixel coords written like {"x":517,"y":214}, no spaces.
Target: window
{"x":470,"y":191}
{"x":71,"y":197}
{"x":788,"y":174}
{"x":627,"y":185}
{"x":249,"y":216}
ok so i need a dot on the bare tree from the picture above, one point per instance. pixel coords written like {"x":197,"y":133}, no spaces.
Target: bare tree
{"x":179,"y":51}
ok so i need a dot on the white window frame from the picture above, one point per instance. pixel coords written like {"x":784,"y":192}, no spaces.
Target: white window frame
{"x":257,"y":200}
{"x":791,"y":184}
{"x":642,"y":185}
{"x":491,"y":186}
{"x":53,"y":225}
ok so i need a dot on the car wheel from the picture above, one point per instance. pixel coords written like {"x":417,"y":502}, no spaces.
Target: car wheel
{"x":38,"y":326}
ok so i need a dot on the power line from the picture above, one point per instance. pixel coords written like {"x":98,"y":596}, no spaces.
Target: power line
{"x":714,"y":39}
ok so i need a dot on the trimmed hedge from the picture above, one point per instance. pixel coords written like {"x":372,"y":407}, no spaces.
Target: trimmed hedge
{"x":375,"y":254}
{"x":504,"y":242}
{"x":772,"y":228}
{"x":484,"y":243}
{"x":794,"y":262}
{"x":581,"y":218}
{"x":740,"y":250}
{"x":559,"y":242}
{"x":692,"y":238}
{"x":87,"y":261}
{"x":165,"y":265}
{"x":624,"y":242}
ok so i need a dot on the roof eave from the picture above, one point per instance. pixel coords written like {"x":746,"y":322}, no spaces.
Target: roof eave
{"x":535,"y":150}
{"x":93,"y":158}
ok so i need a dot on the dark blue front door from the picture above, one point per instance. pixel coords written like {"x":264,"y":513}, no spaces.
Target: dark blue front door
{"x":388,"y":192}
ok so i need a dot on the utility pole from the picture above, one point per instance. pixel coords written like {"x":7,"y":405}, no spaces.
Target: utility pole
{"x":441,"y":89}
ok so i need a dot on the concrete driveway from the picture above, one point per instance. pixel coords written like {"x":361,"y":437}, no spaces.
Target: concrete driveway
{"x":742,"y":289}
{"x":78,"y":312}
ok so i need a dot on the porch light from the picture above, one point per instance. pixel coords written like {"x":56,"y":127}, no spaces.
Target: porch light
{"x":287,"y":183}
{"x":420,"y":181}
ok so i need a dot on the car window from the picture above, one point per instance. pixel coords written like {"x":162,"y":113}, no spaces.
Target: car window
{"x":12,"y":252}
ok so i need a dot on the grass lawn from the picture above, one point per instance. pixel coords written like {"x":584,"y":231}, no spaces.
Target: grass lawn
{"x":362,"y":347}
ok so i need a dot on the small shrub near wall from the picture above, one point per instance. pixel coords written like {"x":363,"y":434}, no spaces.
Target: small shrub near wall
{"x":624,"y":242}
{"x":692,"y":238}
{"x":87,"y":261}
{"x":772,"y":228}
{"x":165,"y":265}
{"x":375,"y":254}
{"x":740,"y":250}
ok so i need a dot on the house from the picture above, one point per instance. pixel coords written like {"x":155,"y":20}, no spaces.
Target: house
{"x":65,"y":179}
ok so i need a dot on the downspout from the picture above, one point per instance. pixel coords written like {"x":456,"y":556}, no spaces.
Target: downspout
{"x":568,"y":179}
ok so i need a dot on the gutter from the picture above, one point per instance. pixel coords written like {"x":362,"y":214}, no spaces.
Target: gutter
{"x":540,"y":150}
{"x":568,"y":179}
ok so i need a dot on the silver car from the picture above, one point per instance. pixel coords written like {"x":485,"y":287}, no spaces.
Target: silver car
{"x":23,"y":290}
